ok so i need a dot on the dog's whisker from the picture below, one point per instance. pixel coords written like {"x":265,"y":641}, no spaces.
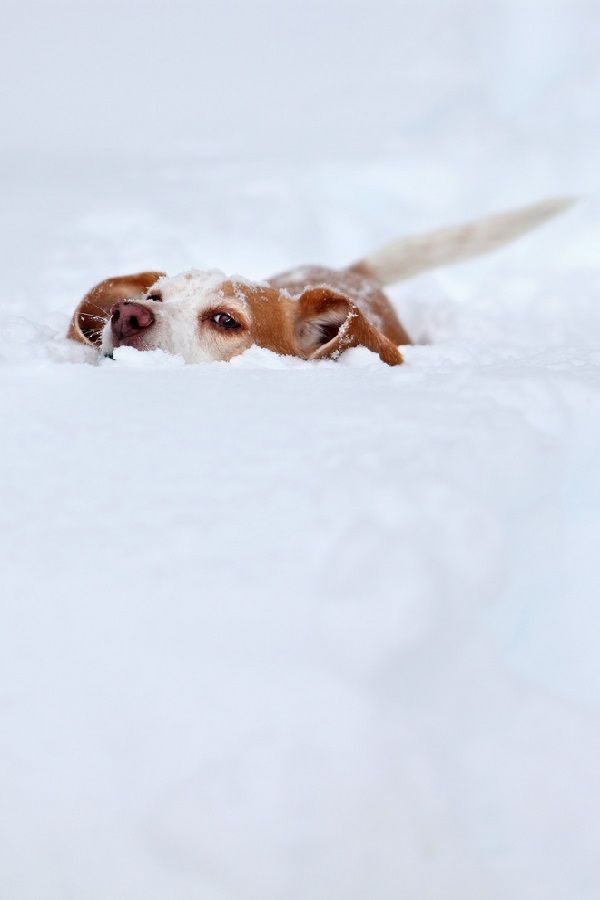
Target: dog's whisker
{"x":95,"y":335}
{"x":104,"y":310}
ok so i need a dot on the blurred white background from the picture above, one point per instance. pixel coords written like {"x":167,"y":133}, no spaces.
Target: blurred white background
{"x":296,"y":77}
{"x":141,"y":133}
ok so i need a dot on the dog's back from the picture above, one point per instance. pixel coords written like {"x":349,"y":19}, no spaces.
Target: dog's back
{"x":364,"y":291}
{"x":363,"y":281}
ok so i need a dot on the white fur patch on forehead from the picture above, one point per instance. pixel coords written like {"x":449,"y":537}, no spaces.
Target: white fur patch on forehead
{"x":194,"y":285}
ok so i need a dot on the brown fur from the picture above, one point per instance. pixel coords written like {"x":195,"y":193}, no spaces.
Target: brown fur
{"x":272,"y":316}
{"x":355,"y":331}
{"x":358,"y":286}
{"x":93,"y":312}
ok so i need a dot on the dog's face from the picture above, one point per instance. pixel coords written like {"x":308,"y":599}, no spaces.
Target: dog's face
{"x":205,"y":316}
{"x":200,"y":316}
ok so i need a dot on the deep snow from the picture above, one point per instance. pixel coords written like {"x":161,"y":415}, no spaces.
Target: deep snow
{"x":276,"y":629}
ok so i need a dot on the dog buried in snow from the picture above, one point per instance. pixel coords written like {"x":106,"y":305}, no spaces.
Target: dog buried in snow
{"x":311,"y":312}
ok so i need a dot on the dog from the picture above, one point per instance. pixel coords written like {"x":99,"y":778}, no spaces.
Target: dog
{"x":310,"y":312}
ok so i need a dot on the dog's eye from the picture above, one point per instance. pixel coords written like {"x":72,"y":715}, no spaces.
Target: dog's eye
{"x":155,"y":298}
{"x":225,"y":321}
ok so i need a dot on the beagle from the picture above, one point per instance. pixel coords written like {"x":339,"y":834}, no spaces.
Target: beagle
{"x":310,"y":312}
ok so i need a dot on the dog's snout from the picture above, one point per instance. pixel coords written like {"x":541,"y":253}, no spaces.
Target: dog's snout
{"x":129,"y":318}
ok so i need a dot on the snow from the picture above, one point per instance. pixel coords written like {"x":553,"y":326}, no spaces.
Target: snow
{"x":284,"y":629}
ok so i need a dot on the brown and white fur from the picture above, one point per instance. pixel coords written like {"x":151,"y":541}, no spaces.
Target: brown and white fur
{"x":311,"y":312}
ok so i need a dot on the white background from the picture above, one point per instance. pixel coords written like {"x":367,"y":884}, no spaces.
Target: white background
{"x":273,"y":629}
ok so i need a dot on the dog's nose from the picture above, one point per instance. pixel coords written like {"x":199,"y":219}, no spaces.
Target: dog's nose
{"x":129,"y":318}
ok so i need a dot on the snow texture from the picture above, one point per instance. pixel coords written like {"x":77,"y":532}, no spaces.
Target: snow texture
{"x":280,"y":630}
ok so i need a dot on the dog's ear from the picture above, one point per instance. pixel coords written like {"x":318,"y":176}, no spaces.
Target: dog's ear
{"x":94,"y":310}
{"x":328,"y":323}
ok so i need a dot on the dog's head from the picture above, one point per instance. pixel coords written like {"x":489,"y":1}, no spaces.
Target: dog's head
{"x":205,"y":316}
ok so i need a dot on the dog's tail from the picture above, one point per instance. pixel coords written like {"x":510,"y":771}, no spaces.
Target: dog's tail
{"x":410,"y":255}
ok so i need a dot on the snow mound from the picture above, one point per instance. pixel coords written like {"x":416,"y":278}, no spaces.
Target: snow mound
{"x":131,"y":358}
{"x":24,"y":342}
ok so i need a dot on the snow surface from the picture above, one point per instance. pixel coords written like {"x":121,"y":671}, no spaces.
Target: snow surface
{"x":278,"y":630}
